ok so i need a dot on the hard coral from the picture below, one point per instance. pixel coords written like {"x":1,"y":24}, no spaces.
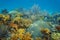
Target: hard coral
{"x":27,"y":36}
{"x":58,"y":28}
{"x":27,"y":22}
{"x":15,"y":26}
{"x":38,"y":38}
{"x":55,"y":36}
{"x":46,"y":30}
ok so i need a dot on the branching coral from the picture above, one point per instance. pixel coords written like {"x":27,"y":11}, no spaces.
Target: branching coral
{"x":20,"y":34}
{"x":29,"y":25}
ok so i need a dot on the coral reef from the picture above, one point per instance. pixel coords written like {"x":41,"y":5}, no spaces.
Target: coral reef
{"x":31,"y":24}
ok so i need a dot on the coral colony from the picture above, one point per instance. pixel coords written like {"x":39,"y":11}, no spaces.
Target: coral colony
{"x":32,"y":24}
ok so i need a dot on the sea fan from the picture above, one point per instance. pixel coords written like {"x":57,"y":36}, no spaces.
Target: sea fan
{"x":3,"y":31}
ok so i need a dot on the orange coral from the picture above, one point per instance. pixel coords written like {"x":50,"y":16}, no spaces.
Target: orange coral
{"x":46,"y":30}
{"x":14,"y":25}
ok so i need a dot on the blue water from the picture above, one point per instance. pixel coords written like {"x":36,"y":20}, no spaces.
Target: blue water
{"x":49,"y":5}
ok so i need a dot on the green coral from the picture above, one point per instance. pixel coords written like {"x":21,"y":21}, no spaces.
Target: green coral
{"x":55,"y":36}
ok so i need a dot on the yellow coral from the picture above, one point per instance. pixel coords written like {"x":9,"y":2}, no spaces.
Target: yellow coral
{"x":47,"y":30}
{"x":6,"y":17}
{"x":21,"y":36}
{"x":27,"y":22}
{"x":21,"y":31}
{"x":18,"y":19}
{"x":14,"y":37}
{"x":1,"y":15}
{"x":27,"y":36}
